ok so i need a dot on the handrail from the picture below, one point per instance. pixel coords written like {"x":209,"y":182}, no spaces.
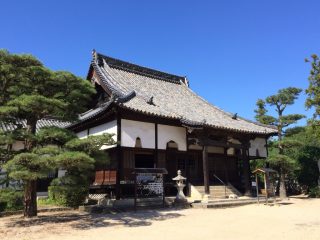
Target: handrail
{"x":219,"y":179}
{"x":225,"y":186}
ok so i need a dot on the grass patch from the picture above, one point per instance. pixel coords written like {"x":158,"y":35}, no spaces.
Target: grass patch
{"x":46,"y":202}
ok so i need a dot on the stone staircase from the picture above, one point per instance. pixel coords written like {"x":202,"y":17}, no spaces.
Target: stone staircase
{"x":216,"y":191}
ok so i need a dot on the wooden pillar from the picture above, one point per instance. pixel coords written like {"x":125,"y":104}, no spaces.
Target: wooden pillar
{"x":246,"y":172}
{"x":156,"y":164}
{"x":225,"y":154}
{"x":205,"y":170}
{"x":119,"y":158}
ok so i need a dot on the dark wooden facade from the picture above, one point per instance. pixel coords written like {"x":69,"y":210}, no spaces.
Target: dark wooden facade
{"x":198,"y":166}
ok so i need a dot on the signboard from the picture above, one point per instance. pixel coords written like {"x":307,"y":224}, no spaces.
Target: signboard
{"x":149,"y":186}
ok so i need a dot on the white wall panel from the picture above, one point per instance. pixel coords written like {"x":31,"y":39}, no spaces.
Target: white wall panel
{"x":131,"y":130}
{"x":168,"y":133}
{"x":258,"y":148}
{"x":109,"y":127}
{"x":82,"y":134}
{"x":18,"y":145}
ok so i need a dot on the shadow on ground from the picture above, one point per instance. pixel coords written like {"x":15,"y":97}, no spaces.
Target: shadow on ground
{"x":88,"y":221}
{"x":284,"y":203}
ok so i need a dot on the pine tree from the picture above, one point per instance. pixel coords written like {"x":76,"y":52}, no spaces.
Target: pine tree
{"x":313,"y":90}
{"x":30,"y":92}
{"x":280,"y":101}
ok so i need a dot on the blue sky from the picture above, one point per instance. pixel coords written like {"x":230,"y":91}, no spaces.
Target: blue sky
{"x":233,"y":52}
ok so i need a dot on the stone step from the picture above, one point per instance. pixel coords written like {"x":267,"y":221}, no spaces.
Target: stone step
{"x":223,"y":203}
{"x":218,"y":191}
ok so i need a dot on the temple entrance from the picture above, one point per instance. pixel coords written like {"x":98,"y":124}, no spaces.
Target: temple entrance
{"x":144,"y":161}
{"x":217,"y":169}
{"x":224,"y":169}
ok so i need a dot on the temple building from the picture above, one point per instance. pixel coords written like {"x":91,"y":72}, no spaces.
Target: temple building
{"x":157,"y":121}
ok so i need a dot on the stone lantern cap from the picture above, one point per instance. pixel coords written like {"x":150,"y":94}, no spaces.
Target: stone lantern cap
{"x":179,"y":177}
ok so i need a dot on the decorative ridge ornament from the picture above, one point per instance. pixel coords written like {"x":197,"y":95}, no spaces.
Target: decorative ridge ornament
{"x":130,"y":67}
{"x":120,"y":97}
{"x":235,"y":116}
{"x":150,"y":101}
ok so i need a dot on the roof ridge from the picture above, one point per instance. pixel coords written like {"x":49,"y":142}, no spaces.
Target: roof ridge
{"x":135,"y":68}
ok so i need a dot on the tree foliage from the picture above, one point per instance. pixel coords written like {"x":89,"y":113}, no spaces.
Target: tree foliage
{"x":279,"y":102}
{"x":306,"y":155}
{"x":29,"y":93}
{"x":313,"y":90}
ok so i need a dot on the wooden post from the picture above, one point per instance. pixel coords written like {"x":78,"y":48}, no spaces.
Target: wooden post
{"x":135,"y":191}
{"x":225,"y":153}
{"x":119,"y":158}
{"x":266,"y":187}
{"x":257,"y":188}
{"x":163,"y":192}
{"x":246,"y":172}
{"x":205,"y":170}
{"x":156,"y":164}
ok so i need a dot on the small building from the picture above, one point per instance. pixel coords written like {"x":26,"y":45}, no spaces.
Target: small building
{"x":42,"y":184}
{"x":157,"y":121}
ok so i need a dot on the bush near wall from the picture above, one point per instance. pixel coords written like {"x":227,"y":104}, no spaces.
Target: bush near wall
{"x":69,"y":196}
{"x":314,"y":192}
{"x":11,"y":200}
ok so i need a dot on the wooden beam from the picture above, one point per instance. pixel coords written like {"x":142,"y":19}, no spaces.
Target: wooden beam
{"x":224,"y":144}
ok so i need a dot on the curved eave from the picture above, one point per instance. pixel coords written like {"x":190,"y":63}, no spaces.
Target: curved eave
{"x":204,"y":124}
{"x":91,"y":115}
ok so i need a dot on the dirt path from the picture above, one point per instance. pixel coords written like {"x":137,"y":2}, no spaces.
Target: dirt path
{"x":294,"y":219}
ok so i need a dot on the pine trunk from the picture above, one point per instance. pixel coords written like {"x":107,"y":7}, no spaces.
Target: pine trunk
{"x":30,"y":199}
{"x":282,"y":189}
{"x":30,"y":189}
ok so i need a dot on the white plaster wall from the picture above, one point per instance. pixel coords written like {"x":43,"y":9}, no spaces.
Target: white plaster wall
{"x":235,"y":141}
{"x":18,"y":145}
{"x":231,"y":151}
{"x":260,"y":145}
{"x":212,"y":149}
{"x":130,"y":130}
{"x":61,"y":172}
{"x":168,"y":133}
{"x":109,"y":127}
{"x":195,"y":147}
{"x":82,"y":134}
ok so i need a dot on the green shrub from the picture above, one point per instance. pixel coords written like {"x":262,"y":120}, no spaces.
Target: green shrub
{"x":46,"y":202}
{"x":11,"y":200}
{"x":67,"y":195}
{"x":314,"y":192}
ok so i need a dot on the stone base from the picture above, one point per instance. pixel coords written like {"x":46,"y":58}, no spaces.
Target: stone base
{"x":183,"y":203}
{"x":180,"y":201}
{"x":206,"y":198}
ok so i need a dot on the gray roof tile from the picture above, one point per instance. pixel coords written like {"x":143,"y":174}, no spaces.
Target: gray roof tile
{"x":40,"y":124}
{"x":172,"y":97}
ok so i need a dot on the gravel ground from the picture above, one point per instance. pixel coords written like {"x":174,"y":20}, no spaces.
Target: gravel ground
{"x":292,"y":219}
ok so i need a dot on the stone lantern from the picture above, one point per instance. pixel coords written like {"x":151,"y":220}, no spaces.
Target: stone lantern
{"x":180,"y":198}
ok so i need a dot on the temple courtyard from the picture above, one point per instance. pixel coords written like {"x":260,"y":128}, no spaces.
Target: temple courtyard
{"x":295,"y":218}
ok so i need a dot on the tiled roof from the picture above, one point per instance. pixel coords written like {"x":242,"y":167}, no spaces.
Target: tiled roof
{"x":165,"y":95}
{"x":92,"y":113}
{"x":40,"y":124}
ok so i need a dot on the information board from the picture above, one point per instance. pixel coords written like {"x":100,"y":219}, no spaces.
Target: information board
{"x":149,"y":185}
